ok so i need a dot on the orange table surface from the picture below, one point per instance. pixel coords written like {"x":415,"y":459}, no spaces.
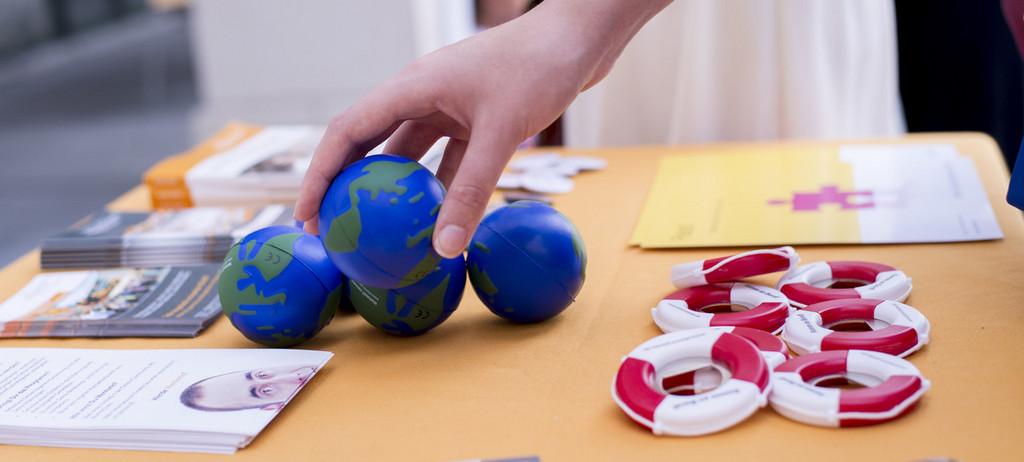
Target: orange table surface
{"x":478,"y":387}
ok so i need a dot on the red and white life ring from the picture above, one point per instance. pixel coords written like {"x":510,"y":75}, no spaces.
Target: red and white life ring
{"x":893,"y":387}
{"x":684,"y":308}
{"x":906,"y":329}
{"x":803,"y":285}
{"x":637,"y":387}
{"x":696,"y":375}
{"x":734,"y":267}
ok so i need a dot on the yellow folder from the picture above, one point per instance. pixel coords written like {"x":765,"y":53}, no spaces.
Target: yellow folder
{"x":814,"y":195}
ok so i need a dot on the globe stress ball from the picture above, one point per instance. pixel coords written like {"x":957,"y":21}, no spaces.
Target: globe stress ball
{"x":377,"y":220}
{"x":416,"y":308}
{"x":527,"y":262}
{"x":278,"y":288}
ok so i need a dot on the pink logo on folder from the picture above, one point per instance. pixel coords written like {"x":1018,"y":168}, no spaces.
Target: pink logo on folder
{"x":828,"y":194}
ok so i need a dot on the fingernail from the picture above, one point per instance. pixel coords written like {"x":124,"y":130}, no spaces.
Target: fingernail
{"x":451,"y":241}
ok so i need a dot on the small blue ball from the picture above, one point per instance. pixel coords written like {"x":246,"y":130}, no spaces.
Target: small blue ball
{"x":416,"y":308}
{"x":527,"y":262}
{"x":278,"y":288}
{"x":377,"y":221}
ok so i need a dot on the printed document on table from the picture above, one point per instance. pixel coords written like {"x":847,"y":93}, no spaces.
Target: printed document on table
{"x":867,"y":194}
{"x":114,"y":394}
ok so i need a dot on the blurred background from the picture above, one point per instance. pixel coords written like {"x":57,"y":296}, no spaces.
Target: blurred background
{"x":93,"y":92}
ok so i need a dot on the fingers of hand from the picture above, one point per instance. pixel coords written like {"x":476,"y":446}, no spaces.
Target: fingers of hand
{"x":485,"y":157}
{"x":352,"y":133}
{"x":453,"y":154}
{"x":412,"y":139}
{"x":312,"y":226}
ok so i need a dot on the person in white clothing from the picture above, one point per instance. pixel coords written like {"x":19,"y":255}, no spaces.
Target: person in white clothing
{"x":728,"y":70}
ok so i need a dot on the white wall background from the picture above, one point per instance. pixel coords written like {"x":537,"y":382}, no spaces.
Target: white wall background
{"x":302,"y":61}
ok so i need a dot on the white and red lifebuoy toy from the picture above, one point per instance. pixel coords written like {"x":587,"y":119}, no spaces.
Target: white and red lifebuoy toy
{"x":893,"y":387}
{"x":906,"y":329}
{"x":803,"y":285}
{"x":637,"y":387}
{"x":684,"y":309}
{"x":734,"y":267}
{"x":695,"y":376}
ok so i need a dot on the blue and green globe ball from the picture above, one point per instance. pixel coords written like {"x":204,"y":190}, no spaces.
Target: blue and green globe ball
{"x":527,"y":262}
{"x":278,"y":287}
{"x":416,"y":308}
{"x":377,"y":220}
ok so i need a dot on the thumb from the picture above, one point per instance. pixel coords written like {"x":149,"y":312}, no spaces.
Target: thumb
{"x":486,"y":155}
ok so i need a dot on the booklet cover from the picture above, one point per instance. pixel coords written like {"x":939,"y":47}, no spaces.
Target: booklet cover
{"x":266,"y":168}
{"x":166,"y":180}
{"x":143,"y":302}
{"x":174,"y":237}
{"x":856,"y":194}
{"x":213,"y":400}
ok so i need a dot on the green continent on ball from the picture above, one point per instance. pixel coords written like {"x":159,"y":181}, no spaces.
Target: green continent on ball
{"x":484,"y":285}
{"x":332,"y":305}
{"x":269,"y":261}
{"x":277,"y":286}
{"x":413,"y":309}
{"x":579,"y":249}
{"x":381,"y":177}
{"x":383,"y":307}
{"x":377,"y":219}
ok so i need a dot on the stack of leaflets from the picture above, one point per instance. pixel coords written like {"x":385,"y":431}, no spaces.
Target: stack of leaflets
{"x":166,"y":180}
{"x":213,"y":401}
{"x":265,"y":168}
{"x":185,"y":237}
{"x":245,"y":165}
{"x":144,"y":302}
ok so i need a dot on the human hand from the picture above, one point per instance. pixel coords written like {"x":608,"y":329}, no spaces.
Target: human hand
{"x":487,"y":94}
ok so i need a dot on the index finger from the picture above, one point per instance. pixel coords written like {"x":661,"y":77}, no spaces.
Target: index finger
{"x":354,"y":132}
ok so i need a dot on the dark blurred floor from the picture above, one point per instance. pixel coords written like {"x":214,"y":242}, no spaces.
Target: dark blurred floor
{"x":81,"y":119}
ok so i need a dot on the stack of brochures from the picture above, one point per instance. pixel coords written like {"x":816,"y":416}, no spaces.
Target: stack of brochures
{"x":245,"y":165}
{"x":128,"y":302}
{"x":214,"y":401}
{"x":185,"y":237}
{"x":266,"y":168}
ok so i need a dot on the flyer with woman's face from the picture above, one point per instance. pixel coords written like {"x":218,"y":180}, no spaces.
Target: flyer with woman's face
{"x":236,"y":391}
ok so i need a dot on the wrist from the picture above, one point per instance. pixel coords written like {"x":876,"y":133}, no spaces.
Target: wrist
{"x":592,"y":33}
